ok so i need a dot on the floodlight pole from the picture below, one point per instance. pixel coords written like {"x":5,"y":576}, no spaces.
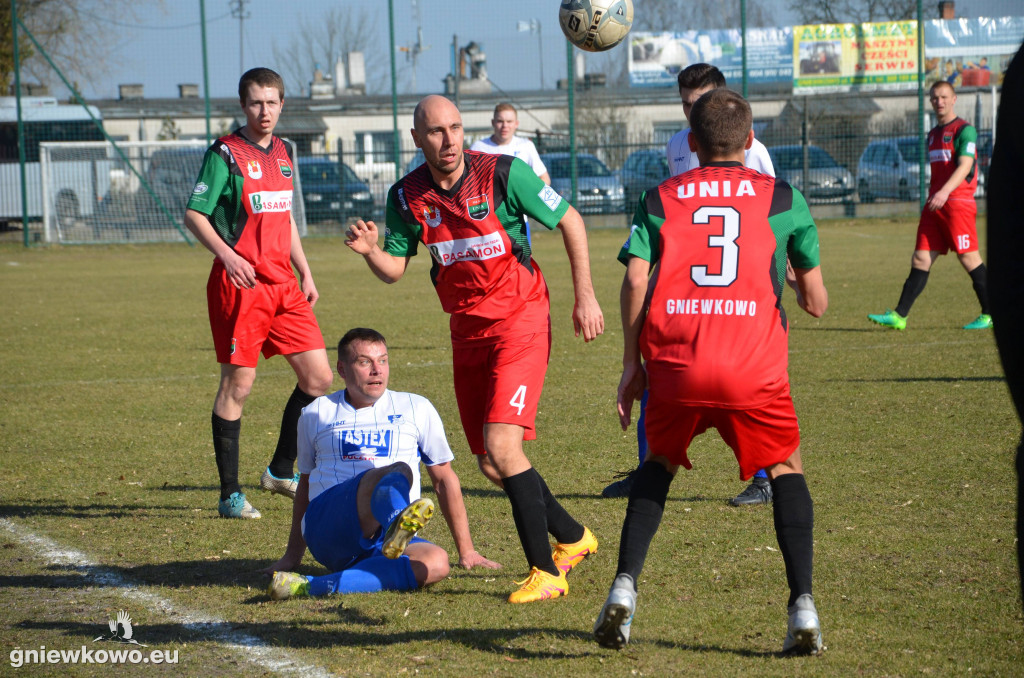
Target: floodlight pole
{"x":206,"y":69}
{"x":922,"y":190}
{"x":21,"y":124}
{"x":394,"y":88}
{"x":571,"y":81}
{"x":743,"y":30}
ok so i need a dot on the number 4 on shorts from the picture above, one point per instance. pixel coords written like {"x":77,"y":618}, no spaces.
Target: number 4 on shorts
{"x":519,"y":399}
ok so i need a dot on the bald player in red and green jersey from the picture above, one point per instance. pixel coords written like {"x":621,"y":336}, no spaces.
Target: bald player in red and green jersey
{"x":467,"y":208}
{"x":710,"y":340}
{"x":241,"y":211}
{"x":948,"y":218}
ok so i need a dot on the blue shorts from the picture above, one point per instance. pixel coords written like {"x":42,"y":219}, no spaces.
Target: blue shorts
{"x":332,"y":531}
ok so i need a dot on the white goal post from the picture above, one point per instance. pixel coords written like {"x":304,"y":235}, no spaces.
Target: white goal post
{"x":92,"y":193}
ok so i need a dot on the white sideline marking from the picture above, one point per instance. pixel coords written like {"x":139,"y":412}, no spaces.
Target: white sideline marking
{"x":250,"y":648}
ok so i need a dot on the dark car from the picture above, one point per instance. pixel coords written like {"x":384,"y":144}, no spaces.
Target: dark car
{"x":598,"y":190}
{"x":331,"y":191}
{"x":827,"y":180}
{"x":642,"y":170}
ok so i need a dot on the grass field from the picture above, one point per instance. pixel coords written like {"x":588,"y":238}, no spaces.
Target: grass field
{"x":108,"y":498}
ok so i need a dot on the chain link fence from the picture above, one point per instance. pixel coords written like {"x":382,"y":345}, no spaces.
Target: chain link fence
{"x":120,"y":169}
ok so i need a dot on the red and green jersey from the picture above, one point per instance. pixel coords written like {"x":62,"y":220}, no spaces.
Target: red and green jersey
{"x":475,"y":232}
{"x":246,"y":191}
{"x":716,"y":333}
{"x":946,"y":143}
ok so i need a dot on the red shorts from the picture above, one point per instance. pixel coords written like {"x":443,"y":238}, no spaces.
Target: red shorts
{"x":950,"y":228}
{"x":272,"y":318}
{"x":500,"y":384}
{"x":759,"y":437}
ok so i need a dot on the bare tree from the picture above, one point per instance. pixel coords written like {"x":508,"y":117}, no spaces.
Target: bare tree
{"x":75,"y":35}
{"x":858,"y":11}
{"x":324,"y":39}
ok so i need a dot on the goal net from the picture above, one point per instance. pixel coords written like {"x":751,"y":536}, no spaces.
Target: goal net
{"x":92,"y":193}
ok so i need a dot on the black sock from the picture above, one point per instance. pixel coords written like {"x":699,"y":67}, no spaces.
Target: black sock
{"x":225,"y":451}
{"x":979,"y":278}
{"x":562,"y":526}
{"x":794,"y":528}
{"x":282,"y":464}
{"x":529,"y":512}
{"x":643,"y":515}
{"x":912,"y":288}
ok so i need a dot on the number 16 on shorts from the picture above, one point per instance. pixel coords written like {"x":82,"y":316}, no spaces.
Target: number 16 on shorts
{"x":963,"y":242}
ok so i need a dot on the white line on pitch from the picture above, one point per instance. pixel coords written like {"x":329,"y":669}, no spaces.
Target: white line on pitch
{"x":250,"y":648}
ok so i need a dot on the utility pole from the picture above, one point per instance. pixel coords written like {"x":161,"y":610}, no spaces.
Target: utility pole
{"x":533,"y":26}
{"x":238,"y":11}
{"x":412,"y":52}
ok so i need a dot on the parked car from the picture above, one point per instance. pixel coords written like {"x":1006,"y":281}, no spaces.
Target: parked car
{"x":642,"y":170}
{"x":172,"y":173}
{"x":827,"y":180}
{"x":416,"y":161}
{"x":331,"y":191}
{"x":598,"y":190}
{"x":984,"y":159}
{"x":890,"y":168}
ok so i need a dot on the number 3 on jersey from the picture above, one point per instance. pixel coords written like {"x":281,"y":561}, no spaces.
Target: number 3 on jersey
{"x":726,"y":242}
{"x":519,"y":399}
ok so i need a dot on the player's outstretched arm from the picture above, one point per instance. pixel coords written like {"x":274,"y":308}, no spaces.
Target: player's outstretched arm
{"x":633,"y":304}
{"x":240,"y":272}
{"x":449,"y":496}
{"x":586,"y":313}
{"x":811,"y":293}
{"x":296,"y":543}
{"x":361,"y":237}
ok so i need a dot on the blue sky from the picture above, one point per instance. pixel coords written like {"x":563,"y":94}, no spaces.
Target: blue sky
{"x":161,"y":47}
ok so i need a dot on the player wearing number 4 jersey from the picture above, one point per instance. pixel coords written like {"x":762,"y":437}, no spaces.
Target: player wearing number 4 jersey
{"x":947,"y":220}
{"x":467,"y":208}
{"x":715,"y":340}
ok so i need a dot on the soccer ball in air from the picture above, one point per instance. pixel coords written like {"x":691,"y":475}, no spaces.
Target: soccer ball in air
{"x":595,"y":25}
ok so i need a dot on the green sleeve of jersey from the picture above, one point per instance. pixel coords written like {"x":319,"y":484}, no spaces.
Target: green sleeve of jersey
{"x":213,"y":182}
{"x":528,"y":195}
{"x":400,"y":238}
{"x":644,"y":239}
{"x":967,"y":141}
{"x":803,"y":247}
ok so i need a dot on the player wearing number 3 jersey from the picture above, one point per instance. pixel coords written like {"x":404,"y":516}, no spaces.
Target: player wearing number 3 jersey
{"x":714,"y":337}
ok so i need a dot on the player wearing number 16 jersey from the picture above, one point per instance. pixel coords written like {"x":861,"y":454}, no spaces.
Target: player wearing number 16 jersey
{"x":947,"y":220}
{"x":715,"y":341}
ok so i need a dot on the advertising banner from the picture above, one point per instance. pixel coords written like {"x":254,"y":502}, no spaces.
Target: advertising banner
{"x":970,"y":52}
{"x":854,"y":57}
{"x":655,"y":59}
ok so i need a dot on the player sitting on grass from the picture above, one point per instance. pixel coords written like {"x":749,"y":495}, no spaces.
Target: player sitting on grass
{"x":358,"y":455}
{"x":715,"y":341}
